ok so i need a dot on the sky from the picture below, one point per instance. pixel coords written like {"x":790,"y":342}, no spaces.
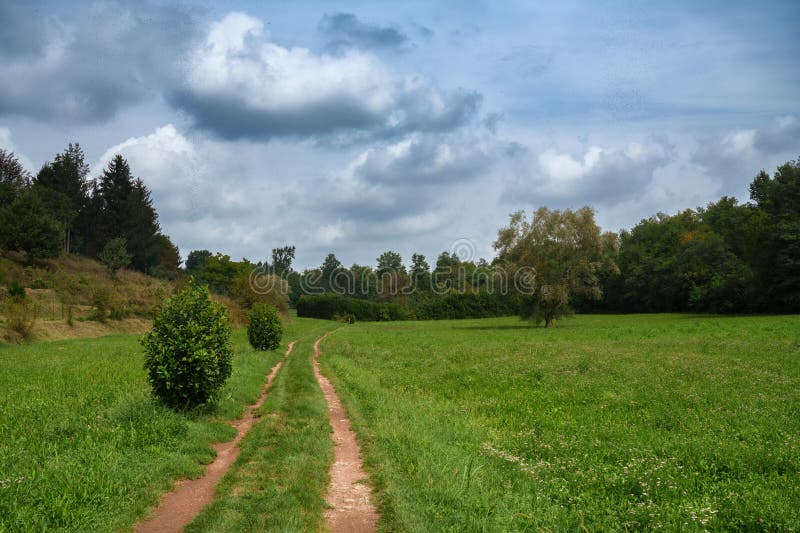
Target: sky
{"x":360,"y":127}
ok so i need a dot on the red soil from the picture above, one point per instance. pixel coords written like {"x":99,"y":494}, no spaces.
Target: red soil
{"x":350,"y":509}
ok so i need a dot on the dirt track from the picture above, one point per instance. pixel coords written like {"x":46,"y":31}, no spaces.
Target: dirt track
{"x":179,"y":507}
{"x":351,"y":509}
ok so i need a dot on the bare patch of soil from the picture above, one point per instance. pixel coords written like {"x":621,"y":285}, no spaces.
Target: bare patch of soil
{"x":349,"y":494}
{"x":179,"y":507}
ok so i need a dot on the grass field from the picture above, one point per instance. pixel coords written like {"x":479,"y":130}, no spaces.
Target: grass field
{"x":606,"y":422}
{"x":82,"y":445}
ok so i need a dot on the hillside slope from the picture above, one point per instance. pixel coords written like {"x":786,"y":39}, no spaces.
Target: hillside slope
{"x":77,"y":297}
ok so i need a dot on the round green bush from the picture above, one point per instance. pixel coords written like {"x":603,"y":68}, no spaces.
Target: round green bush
{"x":188,"y":352}
{"x":265,"y":328}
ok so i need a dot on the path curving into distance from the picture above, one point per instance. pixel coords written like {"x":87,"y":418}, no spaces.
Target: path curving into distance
{"x":349,"y":496}
{"x":179,"y":507}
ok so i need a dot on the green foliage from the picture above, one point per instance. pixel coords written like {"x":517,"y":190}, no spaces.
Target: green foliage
{"x":453,"y":305}
{"x":16,"y":290}
{"x":27,"y":226}
{"x":219,"y":272}
{"x":282,"y":260}
{"x":20,"y":317}
{"x":196,"y":261}
{"x":327,"y":306}
{"x":13,"y":177}
{"x":554,"y":258}
{"x":188,"y":352}
{"x":264,"y":327}
{"x":251,"y":287}
{"x":115,"y":255}
{"x":101,"y":303}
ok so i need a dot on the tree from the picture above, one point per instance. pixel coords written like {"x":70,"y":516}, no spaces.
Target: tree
{"x":389,"y":262}
{"x":778,"y":263}
{"x":66,"y":175}
{"x":27,"y":226}
{"x":13,"y":177}
{"x":169,"y":258}
{"x":126,"y":210}
{"x":330,"y":271}
{"x":420,"y":272}
{"x":196,"y":260}
{"x":649,"y":258}
{"x":558,"y":253}
{"x":282,"y":259}
{"x":115,"y":255}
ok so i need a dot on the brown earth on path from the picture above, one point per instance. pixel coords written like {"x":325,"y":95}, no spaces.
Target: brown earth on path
{"x":179,"y":507}
{"x":350,"y":509}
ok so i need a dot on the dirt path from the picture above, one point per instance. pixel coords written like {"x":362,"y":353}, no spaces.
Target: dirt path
{"x":179,"y":507}
{"x":348,"y":493}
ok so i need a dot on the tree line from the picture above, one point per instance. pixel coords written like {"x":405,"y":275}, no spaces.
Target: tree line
{"x":62,"y":210}
{"x":727,"y":257}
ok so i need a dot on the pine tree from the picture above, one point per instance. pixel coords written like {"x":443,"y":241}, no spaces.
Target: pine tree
{"x":66,"y":175}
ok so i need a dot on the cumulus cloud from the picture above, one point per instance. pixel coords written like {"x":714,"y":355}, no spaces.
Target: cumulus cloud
{"x":734,"y":157}
{"x":600,"y":176}
{"x":182,"y":176}
{"x":7,"y":144}
{"x":239,"y":84}
{"x":345,"y":30}
{"x":85,"y":69}
{"x":402,"y":182}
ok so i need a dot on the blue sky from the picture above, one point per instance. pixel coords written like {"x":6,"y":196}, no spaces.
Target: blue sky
{"x":357,"y":127}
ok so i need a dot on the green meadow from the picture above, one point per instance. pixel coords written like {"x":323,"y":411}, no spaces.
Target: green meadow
{"x":606,"y":422}
{"x":84,"y":447}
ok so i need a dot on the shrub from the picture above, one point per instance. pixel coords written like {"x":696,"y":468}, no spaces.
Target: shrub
{"x":16,"y":290}
{"x":20,"y":315}
{"x":100,"y":302}
{"x":115,"y":255}
{"x":429,"y":306}
{"x":328,"y":306}
{"x":188,"y":354}
{"x":264,"y":329}
{"x":252,"y":287}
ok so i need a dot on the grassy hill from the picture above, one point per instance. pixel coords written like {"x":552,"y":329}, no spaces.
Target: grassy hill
{"x":76,"y":297}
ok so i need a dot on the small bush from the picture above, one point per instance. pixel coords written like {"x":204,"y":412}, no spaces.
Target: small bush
{"x":264,"y":330}
{"x":20,"y":315}
{"x":101,"y":302}
{"x":327,"y":306}
{"x":188,"y":354}
{"x":346,"y":318}
{"x":16,"y":290}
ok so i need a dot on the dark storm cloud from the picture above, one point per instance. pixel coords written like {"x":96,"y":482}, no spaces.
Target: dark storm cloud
{"x":344,"y":30}
{"x":23,"y":33}
{"x":344,"y":118}
{"x":104,"y":57}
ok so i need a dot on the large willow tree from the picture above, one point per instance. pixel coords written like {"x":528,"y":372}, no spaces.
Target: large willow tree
{"x":554,"y":257}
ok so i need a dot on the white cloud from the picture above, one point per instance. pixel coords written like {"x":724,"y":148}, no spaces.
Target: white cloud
{"x":734,"y":157}
{"x":240,"y":84}
{"x":599,"y":176}
{"x":7,"y":143}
